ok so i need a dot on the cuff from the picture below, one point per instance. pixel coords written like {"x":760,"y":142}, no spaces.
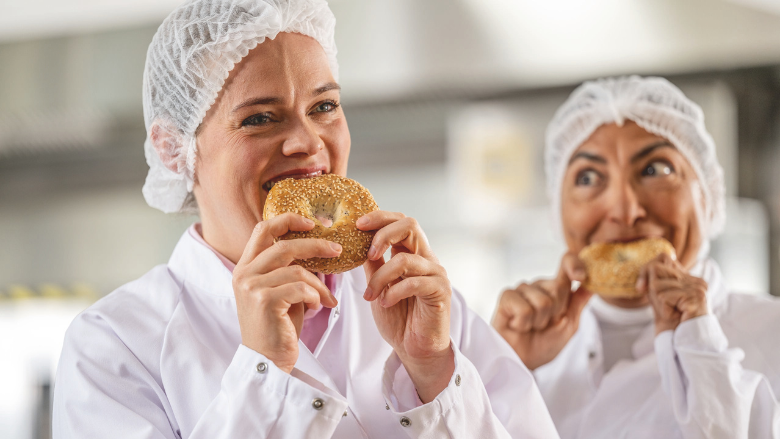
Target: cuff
{"x":298,"y":391}
{"x":701,"y":333}
{"x":420,"y":419}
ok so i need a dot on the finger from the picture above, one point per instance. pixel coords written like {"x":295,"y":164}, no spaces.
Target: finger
{"x":285,"y":296}
{"x":282,"y":253}
{"x":577,"y":302}
{"x":514,"y":312}
{"x":265,"y":233}
{"x":400,"y":266}
{"x":377,"y":219}
{"x":542,"y":304}
{"x":571,"y":269}
{"x":405,"y":232}
{"x":666,"y":270}
{"x":371,"y":267}
{"x":420,"y":286}
{"x":296,"y":273}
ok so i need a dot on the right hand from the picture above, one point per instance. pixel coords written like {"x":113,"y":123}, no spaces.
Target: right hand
{"x":538,"y":319}
{"x":272,"y":295}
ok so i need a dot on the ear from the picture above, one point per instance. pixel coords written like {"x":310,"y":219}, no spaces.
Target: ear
{"x":168,"y":145}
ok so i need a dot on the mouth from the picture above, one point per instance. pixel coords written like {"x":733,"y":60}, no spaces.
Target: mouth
{"x":624,"y":240}
{"x":294,"y":173}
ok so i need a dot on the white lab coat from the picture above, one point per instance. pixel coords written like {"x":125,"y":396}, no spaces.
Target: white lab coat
{"x":715,"y":376}
{"x":161,"y":357}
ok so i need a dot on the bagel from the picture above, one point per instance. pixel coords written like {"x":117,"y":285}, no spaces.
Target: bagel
{"x":329,"y":198}
{"x":613,"y":268}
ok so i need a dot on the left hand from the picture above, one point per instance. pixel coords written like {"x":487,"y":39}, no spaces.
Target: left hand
{"x":410,"y":299}
{"x":675,"y":295}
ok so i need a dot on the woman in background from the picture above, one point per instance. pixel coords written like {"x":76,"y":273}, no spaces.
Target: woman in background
{"x":627,"y":159}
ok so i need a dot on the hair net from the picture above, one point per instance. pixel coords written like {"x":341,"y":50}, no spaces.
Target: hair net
{"x":658,"y":107}
{"x":188,"y":61}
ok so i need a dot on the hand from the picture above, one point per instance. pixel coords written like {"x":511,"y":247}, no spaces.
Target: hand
{"x":272,"y":295}
{"x":538,"y":319}
{"x":410,"y":300}
{"x":675,"y":295}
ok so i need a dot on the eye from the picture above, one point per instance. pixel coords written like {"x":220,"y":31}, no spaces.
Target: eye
{"x":657,"y":169}
{"x":588,"y":177}
{"x":256,"y":119}
{"x":326,"y":107}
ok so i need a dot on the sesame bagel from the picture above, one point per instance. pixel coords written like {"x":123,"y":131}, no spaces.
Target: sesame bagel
{"x":613,"y":268}
{"x":323,"y":199}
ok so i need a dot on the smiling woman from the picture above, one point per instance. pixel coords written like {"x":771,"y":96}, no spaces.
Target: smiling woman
{"x":231,"y":338}
{"x":629,"y":163}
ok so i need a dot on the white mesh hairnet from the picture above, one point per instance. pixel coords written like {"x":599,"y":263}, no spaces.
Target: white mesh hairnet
{"x":186,"y":66}
{"x":655,"y":105}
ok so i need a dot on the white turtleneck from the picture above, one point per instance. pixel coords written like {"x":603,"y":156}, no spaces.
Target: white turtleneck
{"x":620,"y":328}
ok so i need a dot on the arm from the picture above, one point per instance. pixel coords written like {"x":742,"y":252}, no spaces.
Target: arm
{"x":412,"y":304}
{"x":712,"y":395}
{"x":103,"y":389}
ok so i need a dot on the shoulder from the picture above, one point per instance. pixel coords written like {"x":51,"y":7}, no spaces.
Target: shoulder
{"x":131,"y":319}
{"x":759,"y":312}
{"x":751,"y":323}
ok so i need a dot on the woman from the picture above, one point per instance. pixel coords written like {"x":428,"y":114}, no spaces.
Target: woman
{"x":627,"y":159}
{"x":237,"y":95}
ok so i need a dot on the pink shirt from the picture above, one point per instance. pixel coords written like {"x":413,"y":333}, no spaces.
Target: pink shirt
{"x":315,"y":322}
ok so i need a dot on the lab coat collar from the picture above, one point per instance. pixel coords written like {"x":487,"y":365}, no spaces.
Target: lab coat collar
{"x":200,"y":267}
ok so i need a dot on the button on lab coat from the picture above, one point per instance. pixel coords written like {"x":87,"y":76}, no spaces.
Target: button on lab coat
{"x":161,"y":357}
{"x":716,"y":376}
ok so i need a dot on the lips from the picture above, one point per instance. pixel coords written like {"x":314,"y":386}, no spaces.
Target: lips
{"x":294,"y":173}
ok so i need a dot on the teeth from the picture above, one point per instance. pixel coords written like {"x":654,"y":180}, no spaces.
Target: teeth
{"x":268,"y":185}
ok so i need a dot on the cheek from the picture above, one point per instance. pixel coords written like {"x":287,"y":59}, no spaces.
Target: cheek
{"x":337,"y":142}
{"x":580,"y":218}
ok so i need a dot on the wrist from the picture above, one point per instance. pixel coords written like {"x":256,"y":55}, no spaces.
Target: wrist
{"x":430,"y":375}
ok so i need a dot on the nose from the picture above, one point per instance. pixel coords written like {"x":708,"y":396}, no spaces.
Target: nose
{"x":625,"y":206}
{"x":303,"y":138}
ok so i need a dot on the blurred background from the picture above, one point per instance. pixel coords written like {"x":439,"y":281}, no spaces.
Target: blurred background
{"x":447,"y":102}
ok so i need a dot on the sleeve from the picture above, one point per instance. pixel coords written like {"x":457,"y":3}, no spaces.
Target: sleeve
{"x":462,"y":410}
{"x":712,"y":395}
{"x":102,"y":389}
{"x":490,"y":395}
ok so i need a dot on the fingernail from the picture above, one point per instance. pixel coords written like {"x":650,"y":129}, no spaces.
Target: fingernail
{"x":372,"y":252}
{"x":369,"y":293}
{"x":362,"y":221}
{"x":640,"y":283}
{"x":308,"y":222}
{"x":336,"y":247}
{"x":579,"y":272}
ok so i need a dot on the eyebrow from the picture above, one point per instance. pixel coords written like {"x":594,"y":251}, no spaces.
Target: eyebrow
{"x":650,"y":148}
{"x":326,"y":88}
{"x":587,"y":156}
{"x":274,"y":100}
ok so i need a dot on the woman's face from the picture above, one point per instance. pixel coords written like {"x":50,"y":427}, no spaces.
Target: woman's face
{"x":625,"y":184}
{"x":277,"y":116}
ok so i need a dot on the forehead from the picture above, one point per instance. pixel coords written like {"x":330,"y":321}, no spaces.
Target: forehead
{"x":289,"y":61}
{"x":612,"y":136}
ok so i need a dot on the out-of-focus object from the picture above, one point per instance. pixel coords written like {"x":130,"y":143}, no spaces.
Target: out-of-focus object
{"x":490,"y":163}
{"x":654,"y":104}
{"x":613,"y":267}
{"x":33,"y":321}
{"x":742,"y":251}
{"x":188,"y":62}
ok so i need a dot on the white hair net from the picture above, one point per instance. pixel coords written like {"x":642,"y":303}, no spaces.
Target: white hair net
{"x":188,"y":61}
{"x":657,"y":106}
